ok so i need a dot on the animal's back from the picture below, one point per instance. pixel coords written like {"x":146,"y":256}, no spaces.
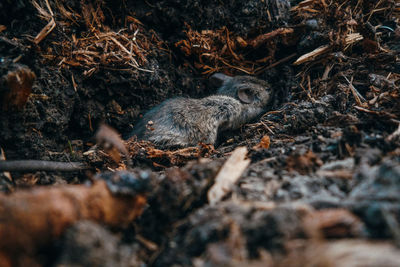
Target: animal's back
{"x":185,"y":121}
{"x":175,"y":122}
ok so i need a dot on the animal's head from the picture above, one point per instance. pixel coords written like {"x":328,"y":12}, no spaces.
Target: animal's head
{"x":248,"y":90}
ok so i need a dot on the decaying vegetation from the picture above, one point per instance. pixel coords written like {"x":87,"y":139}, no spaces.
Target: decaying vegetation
{"x":314,"y":181}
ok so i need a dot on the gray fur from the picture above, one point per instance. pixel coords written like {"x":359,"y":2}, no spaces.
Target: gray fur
{"x":186,"y":121}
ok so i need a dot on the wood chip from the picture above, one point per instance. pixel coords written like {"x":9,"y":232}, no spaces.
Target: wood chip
{"x":228,"y":175}
{"x":350,"y":39}
{"x":312,"y":55}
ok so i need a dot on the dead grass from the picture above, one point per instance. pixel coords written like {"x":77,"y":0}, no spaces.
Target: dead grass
{"x":99,"y":46}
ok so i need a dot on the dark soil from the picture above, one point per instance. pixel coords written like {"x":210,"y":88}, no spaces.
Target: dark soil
{"x":329,"y":151}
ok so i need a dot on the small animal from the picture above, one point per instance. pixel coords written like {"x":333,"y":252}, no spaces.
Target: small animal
{"x":180,"y":122}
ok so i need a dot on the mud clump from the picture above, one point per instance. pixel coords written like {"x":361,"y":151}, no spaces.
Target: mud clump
{"x":212,"y":225}
{"x":87,"y":243}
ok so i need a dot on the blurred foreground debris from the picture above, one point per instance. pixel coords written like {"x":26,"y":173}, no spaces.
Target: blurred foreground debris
{"x":40,"y":165}
{"x":334,"y":223}
{"x":31,"y":220}
{"x":87,"y":243}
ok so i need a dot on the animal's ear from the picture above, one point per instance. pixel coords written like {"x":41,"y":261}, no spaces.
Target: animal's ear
{"x":246,"y":95}
{"x":218,"y":79}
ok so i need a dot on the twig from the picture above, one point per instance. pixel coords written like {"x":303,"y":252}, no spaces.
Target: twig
{"x":50,"y":25}
{"x":393,"y":135}
{"x":350,"y":39}
{"x":273,"y":65}
{"x":262,"y":39}
{"x":45,"y":31}
{"x":267,"y":127}
{"x":134,"y":64}
{"x":312,"y":55}
{"x":8,"y":41}
{"x":40,"y":165}
{"x":365,"y":110}
{"x":358,"y":97}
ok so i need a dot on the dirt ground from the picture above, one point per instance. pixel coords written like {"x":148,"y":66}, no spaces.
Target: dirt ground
{"x":322,"y":187}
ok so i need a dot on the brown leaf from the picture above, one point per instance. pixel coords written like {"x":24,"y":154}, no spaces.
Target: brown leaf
{"x":264,"y":143}
{"x":18,"y":87}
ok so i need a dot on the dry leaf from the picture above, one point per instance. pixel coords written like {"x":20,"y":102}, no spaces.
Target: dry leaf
{"x":19,"y":87}
{"x":264,"y":143}
{"x":228,"y":175}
